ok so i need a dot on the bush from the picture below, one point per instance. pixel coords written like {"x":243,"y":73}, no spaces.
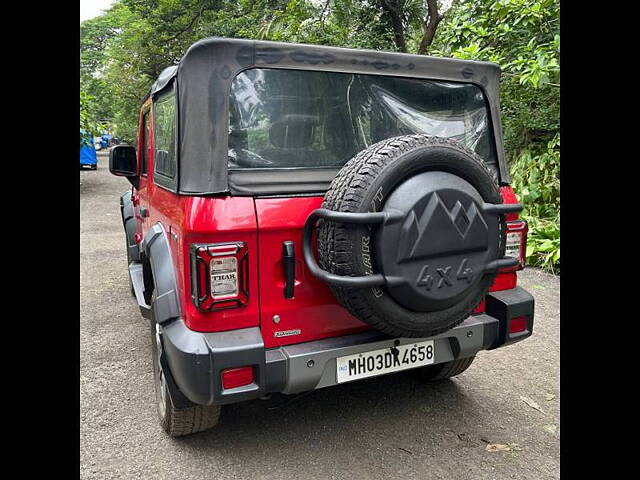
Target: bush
{"x":536,"y":180}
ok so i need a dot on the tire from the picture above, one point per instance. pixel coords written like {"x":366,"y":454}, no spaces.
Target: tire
{"x":363,"y":184}
{"x":177,"y":422}
{"x":445,"y":370}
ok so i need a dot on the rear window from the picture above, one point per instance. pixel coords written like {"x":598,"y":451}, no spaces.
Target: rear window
{"x":306,"y":119}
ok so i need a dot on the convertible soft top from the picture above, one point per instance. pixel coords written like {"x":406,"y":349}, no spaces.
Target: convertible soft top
{"x":202,"y":82}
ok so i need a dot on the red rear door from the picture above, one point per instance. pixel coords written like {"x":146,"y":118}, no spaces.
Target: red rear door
{"x":145,"y":156}
{"x":313,"y":312}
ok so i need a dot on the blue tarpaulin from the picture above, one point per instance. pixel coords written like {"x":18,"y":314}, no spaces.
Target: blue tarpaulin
{"x":104,"y":143}
{"x":87,"y":151}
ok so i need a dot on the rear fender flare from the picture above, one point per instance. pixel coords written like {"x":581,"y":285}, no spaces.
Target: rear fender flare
{"x":129,"y":223}
{"x":155,"y":246}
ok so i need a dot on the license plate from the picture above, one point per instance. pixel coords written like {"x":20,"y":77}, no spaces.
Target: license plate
{"x":378,"y":362}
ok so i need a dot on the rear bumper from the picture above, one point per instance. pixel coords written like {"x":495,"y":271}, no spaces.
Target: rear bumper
{"x":196,"y":360}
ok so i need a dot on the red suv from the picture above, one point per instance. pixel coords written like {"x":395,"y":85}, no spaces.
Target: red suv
{"x":303,"y":216}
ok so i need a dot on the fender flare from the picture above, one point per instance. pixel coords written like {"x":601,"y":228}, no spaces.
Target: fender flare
{"x":129,"y":222}
{"x":155,"y":246}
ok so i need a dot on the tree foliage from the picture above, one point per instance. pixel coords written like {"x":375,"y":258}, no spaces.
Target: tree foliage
{"x":124,"y":50}
{"x":523,"y":37}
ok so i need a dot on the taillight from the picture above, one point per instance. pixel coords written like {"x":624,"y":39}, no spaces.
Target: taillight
{"x":516,"y":245}
{"x":219,"y":276}
{"x":517,"y":324}
{"x":237,"y":377}
{"x":504,"y":281}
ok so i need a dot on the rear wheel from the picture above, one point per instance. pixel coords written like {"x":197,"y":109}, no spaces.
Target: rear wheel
{"x":177,"y":422}
{"x":445,"y":370}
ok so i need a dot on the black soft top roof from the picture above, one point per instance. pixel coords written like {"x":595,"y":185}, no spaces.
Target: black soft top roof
{"x":202,"y":81}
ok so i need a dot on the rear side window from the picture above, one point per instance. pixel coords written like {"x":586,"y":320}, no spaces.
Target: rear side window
{"x":165,"y":140}
{"x":306,"y":119}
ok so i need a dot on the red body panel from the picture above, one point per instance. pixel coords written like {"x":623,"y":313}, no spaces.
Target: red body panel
{"x":220,"y":220}
{"x":313,"y":310}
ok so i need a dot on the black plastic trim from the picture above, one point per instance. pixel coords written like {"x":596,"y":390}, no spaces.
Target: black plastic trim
{"x":156,"y":248}
{"x":129,"y":223}
{"x":196,"y":361}
{"x":289,"y":264}
{"x":375,"y":218}
{"x":505,"y":305}
{"x":314,"y":268}
{"x":178,"y":399}
{"x":276,"y":370}
{"x":501,"y":208}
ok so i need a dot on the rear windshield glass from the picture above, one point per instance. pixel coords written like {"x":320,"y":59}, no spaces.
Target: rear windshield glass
{"x":307,"y":119}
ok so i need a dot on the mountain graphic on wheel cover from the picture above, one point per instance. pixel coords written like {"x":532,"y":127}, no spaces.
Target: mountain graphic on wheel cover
{"x":464,"y":230}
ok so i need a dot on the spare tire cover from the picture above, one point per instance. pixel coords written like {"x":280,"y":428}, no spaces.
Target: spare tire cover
{"x":433,"y":248}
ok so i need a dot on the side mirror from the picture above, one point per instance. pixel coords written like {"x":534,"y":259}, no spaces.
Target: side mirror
{"x":123,"y":161}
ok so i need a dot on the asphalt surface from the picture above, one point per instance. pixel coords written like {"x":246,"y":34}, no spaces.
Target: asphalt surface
{"x":387,"y":427}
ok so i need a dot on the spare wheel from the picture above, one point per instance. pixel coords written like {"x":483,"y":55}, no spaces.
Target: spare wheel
{"x":411,"y":235}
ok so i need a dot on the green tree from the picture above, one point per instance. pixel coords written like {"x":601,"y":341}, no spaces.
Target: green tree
{"x":523,"y":37}
{"x":88,"y":121}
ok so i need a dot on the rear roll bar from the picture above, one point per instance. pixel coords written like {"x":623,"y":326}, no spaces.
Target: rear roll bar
{"x":373,"y":218}
{"x":343,"y":217}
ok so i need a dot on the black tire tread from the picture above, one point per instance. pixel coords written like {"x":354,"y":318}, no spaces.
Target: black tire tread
{"x":198,"y":418}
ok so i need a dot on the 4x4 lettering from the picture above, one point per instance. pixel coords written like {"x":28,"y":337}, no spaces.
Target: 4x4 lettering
{"x":465,"y":273}
{"x":444,"y":276}
{"x":424,"y":279}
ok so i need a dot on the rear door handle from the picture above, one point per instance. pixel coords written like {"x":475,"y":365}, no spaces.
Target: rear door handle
{"x":289,"y":262}
{"x":144,"y":212}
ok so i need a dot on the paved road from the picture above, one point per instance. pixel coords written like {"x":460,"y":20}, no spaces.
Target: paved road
{"x":381,"y":428}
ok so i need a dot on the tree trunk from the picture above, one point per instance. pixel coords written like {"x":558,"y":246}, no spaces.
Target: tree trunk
{"x":431,"y":22}
{"x":393,"y":9}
